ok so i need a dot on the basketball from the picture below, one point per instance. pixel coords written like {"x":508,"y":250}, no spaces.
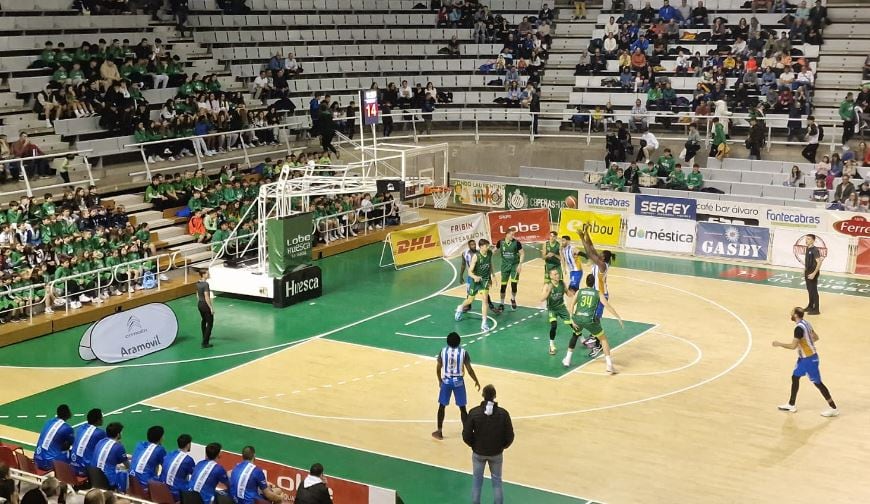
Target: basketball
{"x":571,"y":202}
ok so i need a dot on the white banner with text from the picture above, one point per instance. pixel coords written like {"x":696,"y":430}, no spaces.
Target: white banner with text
{"x":456,"y":232}
{"x":661,"y":234}
{"x":130,"y":334}
{"x":789,"y":249}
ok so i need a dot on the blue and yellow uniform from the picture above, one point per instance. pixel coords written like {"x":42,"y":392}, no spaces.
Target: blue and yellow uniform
{"x":207,"y":475}
{"x":246,"y":482}
{"x":176,"y":468}
{"x":54,"y":443}
{"x":82,"y":456}
{"x":452,"y":376}
{"x":600,"y":276}
{"x":808,"y":358}
{"x":572,"y":266}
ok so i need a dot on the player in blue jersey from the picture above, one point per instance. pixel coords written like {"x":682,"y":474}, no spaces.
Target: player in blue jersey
{"x":208,"y":474}
{"x":87,"y":437}
{"x":109,"y":454}
{"x":148,"y":456}
{"x":453,"y":361}
{"x":804,"y":341}
{"x":248,"y":482}
{"x":55,"y":440}
{"x":571,"y":267}
{"x":177,"y":467}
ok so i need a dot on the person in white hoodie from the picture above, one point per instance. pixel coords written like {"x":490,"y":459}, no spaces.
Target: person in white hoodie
{"x":313,"y":488}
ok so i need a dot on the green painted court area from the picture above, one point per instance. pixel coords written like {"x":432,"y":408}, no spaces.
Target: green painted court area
{"x":363,"y":304}
{"x":517,"y":341}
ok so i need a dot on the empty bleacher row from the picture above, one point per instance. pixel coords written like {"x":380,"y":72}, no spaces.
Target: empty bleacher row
{"x":292,"y":21}
{"x":355,"y":5}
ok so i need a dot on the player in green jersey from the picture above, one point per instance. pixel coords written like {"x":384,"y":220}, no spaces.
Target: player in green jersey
{"x":482,"y":277}
{"x":551,"y":252}
{"x":554,"y":296}
{"x":584,"y":306}
{"x":512,"y":257}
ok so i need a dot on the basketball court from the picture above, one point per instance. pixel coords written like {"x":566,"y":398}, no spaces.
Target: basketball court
{"x":349,"y":380}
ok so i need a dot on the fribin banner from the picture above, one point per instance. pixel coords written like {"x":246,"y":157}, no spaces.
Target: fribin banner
{"x":289,"y":242}
{"x":522,"y":197}
{"x":604,"y":229}
{"x":789,"y":249}
{"x":416,"y":244}
{"x":456,"y":232}
{"x":130,"y":334}
{"x":531,"y":225}
{"x":666,"y":235}
{"x":477,"y":193}
{"x":663,"y":206}
{"x":732,"y":241}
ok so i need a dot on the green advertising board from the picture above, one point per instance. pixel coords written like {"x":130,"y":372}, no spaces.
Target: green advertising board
{"x":522,"y":197}
{"x":289,"y":242}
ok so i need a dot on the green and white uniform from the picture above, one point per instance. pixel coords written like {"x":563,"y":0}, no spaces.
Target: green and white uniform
{"x":552,"y":263}
{"x":483,"y":269}
{"x":584,"y":317}
{"x":556,"y":308}
{"x":510,"y":259}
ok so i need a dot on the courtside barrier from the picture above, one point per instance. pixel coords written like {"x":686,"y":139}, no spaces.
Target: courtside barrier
{"x":769,"y":234}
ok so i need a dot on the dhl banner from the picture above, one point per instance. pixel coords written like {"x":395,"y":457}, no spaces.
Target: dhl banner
{"x":416,"y":244}
{"x":604,"y":229}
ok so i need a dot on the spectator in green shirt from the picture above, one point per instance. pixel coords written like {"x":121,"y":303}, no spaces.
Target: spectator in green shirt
{"x":615,"y":182}
{"x":847,"y":114}
{"x":46,"y":57}
{"x":60,"y":76}
{"x":677,"y":179}
{"x":219,"y":237}
{"x":695,"y":180}
{"x":719,"y":138}
{"x":666,"y":163}
{"x":62,"y":57}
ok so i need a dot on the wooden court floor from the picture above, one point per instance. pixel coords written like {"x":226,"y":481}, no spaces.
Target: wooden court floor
{"x":691,"y":417}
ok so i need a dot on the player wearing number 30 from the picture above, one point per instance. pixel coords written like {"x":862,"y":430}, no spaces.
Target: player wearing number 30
{"x":585,"y":316}
{"x":453,"y":361}
{"x":554,"y":297}
{"x":512,"y":257}
{"x":481,"y":275}
{"x":551,"y":252}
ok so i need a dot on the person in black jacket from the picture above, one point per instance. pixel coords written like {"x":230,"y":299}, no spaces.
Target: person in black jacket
{"x":313,"y":490}
{"x":488,"y":431}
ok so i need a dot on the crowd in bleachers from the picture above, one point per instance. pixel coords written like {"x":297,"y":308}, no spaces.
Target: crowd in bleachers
{"x":47,"y":239}
{"x":89,"y":456}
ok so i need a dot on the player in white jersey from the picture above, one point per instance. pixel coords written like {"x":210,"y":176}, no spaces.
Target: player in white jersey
{"x":600,"y":267}
{"x":804,"y":341}
{"x":571,"y":266}
{"x":453,"y":361}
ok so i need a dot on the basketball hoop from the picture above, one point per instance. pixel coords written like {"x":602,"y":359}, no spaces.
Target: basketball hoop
{"x":440,"y":195}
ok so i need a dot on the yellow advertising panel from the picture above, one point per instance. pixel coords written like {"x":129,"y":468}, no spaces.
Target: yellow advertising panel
{"x":416,"y":244}
{"x":604,"y":229}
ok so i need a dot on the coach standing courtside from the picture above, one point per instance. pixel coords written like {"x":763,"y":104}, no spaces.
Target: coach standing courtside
{"x":812,"y":265}
{"x":488,"y":431}
{"x":206,"y":308}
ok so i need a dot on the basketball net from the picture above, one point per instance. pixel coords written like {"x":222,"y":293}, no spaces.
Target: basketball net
{"x":440,"y":196}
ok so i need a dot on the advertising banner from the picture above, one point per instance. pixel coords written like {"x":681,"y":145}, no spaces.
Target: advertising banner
{"x":728,"y":212}
{"x":476,"y":193}
{"x":130,"y":334}
{"x":523,"y":197}
{"x":603,"y":228}
{"x":456,"y":232}
{"x":862,"y":265}
{"x":663,"y":206}
{"x":301,"y":284}
{"x":665,"y":234}
{"x":288,"y":242}
{"x":531,"y":225}
{"x":608,"y":201}
{"x":789,"y":249}
{"x":809,"y":219}
{"x":288,"y":478}
{"x":732,"y":241}
{"x":416,"y":244}
{"x":856,"y":225}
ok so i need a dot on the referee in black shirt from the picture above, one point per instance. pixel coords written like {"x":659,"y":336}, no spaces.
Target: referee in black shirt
{"x":812,"y":265}
{"x":206,"y":308}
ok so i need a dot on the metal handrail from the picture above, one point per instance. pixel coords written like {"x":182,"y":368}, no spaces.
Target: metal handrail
{"x":349,"y":225}
{"x":29,"y":189}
